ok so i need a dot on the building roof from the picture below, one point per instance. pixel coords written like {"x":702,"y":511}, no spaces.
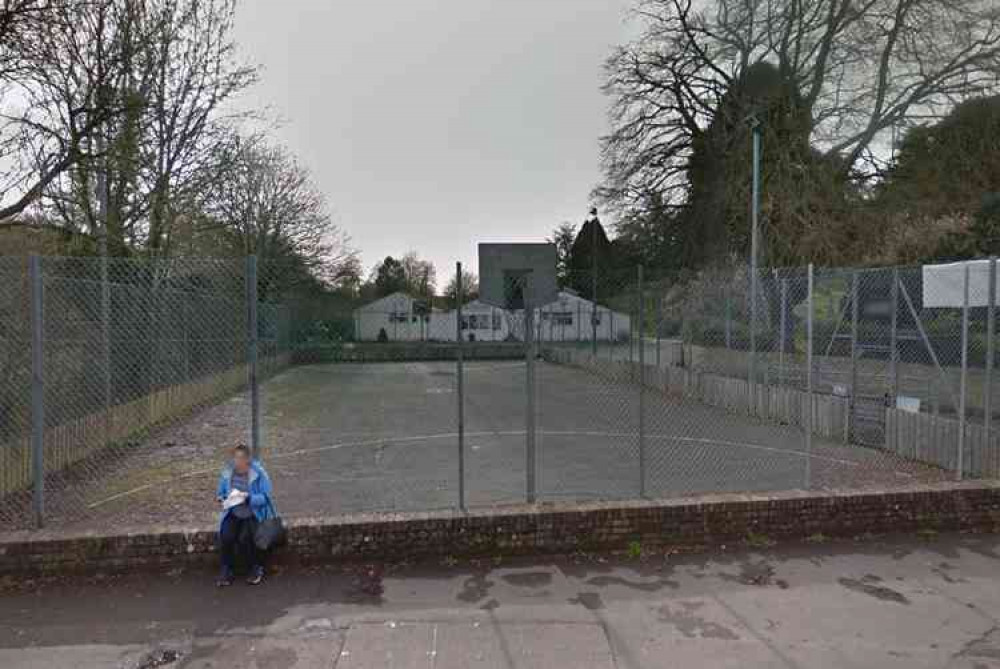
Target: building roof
{"x":390,"y":301}
{"x":564,"y":296}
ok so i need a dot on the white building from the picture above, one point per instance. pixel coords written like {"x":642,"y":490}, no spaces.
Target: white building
{"x":402,"y":317}
{"x":484,"y":322}
{"x":569,"y":318}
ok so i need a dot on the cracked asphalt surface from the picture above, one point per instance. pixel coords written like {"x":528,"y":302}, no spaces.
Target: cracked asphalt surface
{"x":895,"y":602}
{"x":347,"y":437}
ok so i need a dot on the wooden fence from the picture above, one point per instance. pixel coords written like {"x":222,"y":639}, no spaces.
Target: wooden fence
{"x":921,"y":437}
{"x":934,"y":439}
{"x":77,"y":439}
{"x":779,"y":404}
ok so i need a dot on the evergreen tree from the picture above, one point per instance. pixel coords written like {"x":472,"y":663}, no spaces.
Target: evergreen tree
{"x":591,"y":248}
{"x":390,"y":277}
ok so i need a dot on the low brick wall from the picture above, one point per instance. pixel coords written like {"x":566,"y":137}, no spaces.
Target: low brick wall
{"x":560,"y":528}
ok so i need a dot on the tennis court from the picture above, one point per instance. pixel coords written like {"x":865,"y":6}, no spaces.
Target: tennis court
{"x":384,"y":436}
{"x":352,"y":437}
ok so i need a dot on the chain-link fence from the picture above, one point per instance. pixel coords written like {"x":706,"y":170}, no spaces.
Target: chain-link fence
{"x":126,"y":381}
{"x":103,"y":354}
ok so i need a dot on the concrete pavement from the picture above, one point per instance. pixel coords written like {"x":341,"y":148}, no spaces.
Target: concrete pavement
{"x":910,"y":602}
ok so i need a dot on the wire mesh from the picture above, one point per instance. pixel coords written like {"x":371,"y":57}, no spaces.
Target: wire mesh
{"x":587,"y":403}
{"x":621,"y":387}
{"x":723,"y":417}
{"x":15,"y":393}
{"x":129,"y":347}
{"x":364,"y":419}
{"x":499,"y":400}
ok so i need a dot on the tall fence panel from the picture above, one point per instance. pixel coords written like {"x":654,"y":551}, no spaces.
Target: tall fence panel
{"x":127,"y":349}
{"x":127,"y":381}
{"x":15,"y":392}
{"x":366,"y":419}
{"x":588,"y":408}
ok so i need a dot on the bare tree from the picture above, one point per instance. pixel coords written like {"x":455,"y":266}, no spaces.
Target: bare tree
{"x":470,"y":287}
{"x":196,"y":72}
{"x":266,"y":203}
{"x":421,"y":275}
{"x":850,"y":71}
{"x":174,"y":69}
{"x":53,"y":73}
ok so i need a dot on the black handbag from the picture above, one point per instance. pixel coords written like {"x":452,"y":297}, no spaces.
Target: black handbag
{"x":270,"y":532}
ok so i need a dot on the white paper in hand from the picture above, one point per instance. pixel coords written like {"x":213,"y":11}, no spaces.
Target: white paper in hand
{"x":235,"y":499}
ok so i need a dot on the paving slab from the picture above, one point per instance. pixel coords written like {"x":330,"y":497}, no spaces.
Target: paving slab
{"x":903,"y":602}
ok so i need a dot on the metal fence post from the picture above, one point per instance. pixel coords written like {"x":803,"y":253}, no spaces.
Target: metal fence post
{"x":461,"y":387}
{"x":659,"y":322}
{"x":251,"y":281}
{"x":784,"y":331}
{"x":752,"y":369}
{"x":894,"y":355}
{"x":106,"y":344}
{"x":633,"y":336}
{"x":529,"y":352}
{"x":593,"y":298}
{"x":102,"y":243}
{"x":990,"y":352}
{"x":729,"y":319}
{"x":894,"y":335}
{"x":962,"y":392}
{"x":642,"y":387}
{"x":809,"y":378}
{"x":852,"y":405}
{"x":185,"y":312}
{"x":37,"y":390}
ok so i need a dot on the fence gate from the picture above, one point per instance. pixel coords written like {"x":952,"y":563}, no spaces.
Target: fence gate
{"x":868,"y":420}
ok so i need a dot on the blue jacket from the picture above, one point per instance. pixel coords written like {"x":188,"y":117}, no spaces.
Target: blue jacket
{"x":260,"y":491}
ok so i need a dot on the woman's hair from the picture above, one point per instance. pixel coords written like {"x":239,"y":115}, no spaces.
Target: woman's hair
{"x":242,"y":448}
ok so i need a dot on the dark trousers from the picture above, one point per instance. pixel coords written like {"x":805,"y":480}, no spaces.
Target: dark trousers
{"x":236,"y":538}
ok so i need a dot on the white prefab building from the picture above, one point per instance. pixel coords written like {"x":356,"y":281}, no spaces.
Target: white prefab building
{"x":566,"y":319}
{"x":483,"y":322}
{"x":569,"y":318}
{"x":403,"y":317}
{"x":573,"y":318}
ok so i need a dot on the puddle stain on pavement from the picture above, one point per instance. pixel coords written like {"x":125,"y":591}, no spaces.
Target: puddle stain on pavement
{"x":693,"y":626}
{"x":869,"y":585}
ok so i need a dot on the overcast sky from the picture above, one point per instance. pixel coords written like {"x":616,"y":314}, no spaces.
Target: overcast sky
{"x":432,"y":125}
